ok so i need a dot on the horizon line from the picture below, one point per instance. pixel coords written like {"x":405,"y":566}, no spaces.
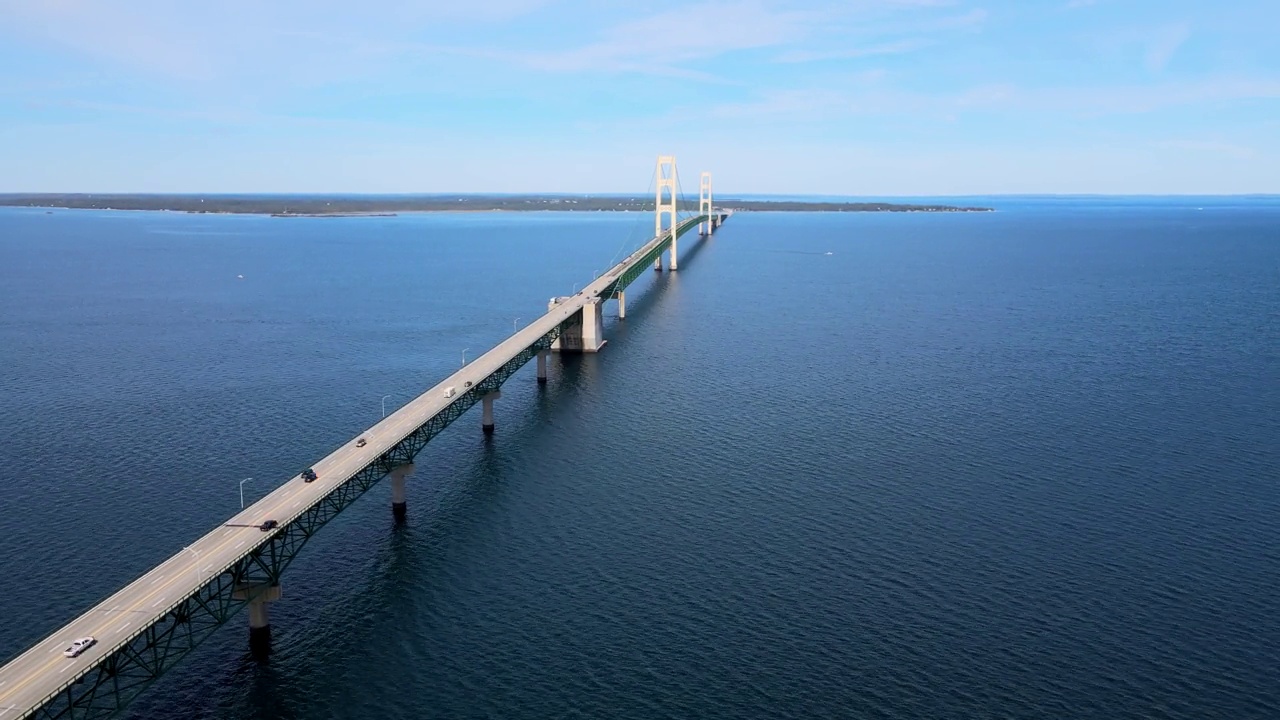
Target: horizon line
{"x":726,"y":196}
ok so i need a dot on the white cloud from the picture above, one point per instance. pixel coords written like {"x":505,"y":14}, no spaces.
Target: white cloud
{"x":890,"y":48}
{"x":284,"y":39}
{"x":680,"y":35}
{"x":691,"y":33}
{"x":1150,"y":98}
{"x":1212,"y":147}
{"x":1164,"y":44}
{"x":871,"y":97}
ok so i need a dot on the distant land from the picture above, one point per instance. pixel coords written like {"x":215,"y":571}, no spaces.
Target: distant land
{"x":358,"y":205}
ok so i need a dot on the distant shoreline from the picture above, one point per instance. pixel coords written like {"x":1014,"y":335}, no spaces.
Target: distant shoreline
{"x":365,"y":206}
{"x":333,"y":214}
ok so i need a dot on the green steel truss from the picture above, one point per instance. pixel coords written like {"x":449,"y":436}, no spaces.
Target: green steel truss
{"x":121,"y":675}
{"x":637,"y":268}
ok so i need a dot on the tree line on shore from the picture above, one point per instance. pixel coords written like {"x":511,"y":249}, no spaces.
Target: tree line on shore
{"x":285,"y":205}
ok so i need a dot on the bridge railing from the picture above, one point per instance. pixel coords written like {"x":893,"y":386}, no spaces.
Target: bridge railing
{"x":637,"y":268}
{"x":105,"y":687}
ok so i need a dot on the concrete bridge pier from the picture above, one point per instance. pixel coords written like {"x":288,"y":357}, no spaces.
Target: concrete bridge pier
{"x":622,"y":305}
{"x":399,"y":504}
{"x":584,"y":333}
{"x":486,"y":422}
{"x":259,"y":597}
{"x":593,"y":326}
{"x":657,"y":264}
{"x":542,"y":366}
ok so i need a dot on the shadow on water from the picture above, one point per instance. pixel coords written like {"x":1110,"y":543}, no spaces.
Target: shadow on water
{"x":262,"y":697}
{"x":696,"y":250}
{"x":564,"y":377}
{"x":423,"y":551}
{"x":639,"y":307}
{"x":420,"y":551}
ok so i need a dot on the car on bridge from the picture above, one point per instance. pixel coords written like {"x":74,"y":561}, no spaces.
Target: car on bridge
{"x":308,"y":475}
{"x":78,"y":646}
{"x":269,"y":525}
{"x":361,"y":442}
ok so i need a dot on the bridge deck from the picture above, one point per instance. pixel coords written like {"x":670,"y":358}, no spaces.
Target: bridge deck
{"x":36,"y":677}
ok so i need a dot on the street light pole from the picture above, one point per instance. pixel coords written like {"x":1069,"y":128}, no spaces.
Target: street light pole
{"x":384,"y":404}
{"x":464,"y":356}
{"x":242,"y":482}
{"x":514,"y":324}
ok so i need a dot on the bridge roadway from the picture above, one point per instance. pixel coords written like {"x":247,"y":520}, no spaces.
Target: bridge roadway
{"x":38,"y":675}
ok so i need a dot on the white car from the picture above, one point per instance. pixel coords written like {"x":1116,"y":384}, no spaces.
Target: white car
{"x":79,"y":646}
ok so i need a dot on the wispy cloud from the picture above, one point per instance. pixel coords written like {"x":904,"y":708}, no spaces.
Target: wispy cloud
{"x":689,"y":33}
{"x":297,"y":79}
{"x":890,"y":48}
{"x":972,"y":19}
{"x":873,"y":97}
{"x":1150,"y":98}
{"x":1164,"y":44}
{"x":187,"y":42}
{"x":665,"y":40}
{"x":1213,"y":147}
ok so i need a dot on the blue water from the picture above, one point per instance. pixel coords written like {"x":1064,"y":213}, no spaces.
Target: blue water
{"x":1011,"y":464}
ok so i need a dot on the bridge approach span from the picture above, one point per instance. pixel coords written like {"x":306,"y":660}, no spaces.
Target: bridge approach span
{"x":147,"y":626}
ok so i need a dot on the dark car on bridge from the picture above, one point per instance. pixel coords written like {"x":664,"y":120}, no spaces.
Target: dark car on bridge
{"x":269,"y":525}
{"x":308,"y":475}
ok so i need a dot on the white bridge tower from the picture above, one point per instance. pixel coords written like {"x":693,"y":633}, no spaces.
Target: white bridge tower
{"x":704,"y":204}
{"x":665,"y":177}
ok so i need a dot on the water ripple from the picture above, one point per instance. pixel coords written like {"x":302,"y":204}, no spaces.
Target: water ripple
{"x":1012,"y":465}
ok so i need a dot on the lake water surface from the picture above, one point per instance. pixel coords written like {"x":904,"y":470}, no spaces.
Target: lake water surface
{"x":1013,"y":464}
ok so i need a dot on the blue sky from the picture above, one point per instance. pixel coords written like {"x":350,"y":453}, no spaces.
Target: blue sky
{"x":862,"y":97}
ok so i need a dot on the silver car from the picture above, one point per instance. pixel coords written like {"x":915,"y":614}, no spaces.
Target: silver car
{"x":79,"y":646}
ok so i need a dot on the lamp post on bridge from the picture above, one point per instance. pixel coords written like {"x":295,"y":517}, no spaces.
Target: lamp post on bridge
{"x":384,"y":404}
{"x":242,"y":482}
{"x":464,"y":356}
{"x":515,"y":325}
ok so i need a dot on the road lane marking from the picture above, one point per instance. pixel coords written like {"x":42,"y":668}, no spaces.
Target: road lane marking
{"x":54,"y":643}
{"x":122,"y":627}
{"x":153,"y":582}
